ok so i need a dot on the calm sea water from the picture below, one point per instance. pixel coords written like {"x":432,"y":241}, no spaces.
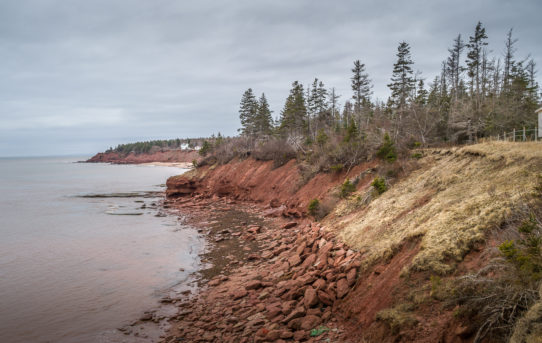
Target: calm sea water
{"x":73,"y":267}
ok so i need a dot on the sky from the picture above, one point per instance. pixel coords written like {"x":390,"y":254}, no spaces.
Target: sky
{"x":79,"y":76}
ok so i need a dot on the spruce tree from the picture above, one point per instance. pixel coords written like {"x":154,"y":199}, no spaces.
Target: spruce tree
{"x":361,"y":85}
{"x":402,"y":81}
{"x":293,"y":119}
{"x":453,"y":65}
{"x":474,"y":57}
{"x":247,"y":113}
{"x":264,"y":121}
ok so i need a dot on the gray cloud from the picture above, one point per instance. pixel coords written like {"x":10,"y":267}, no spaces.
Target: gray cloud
{"x":80,"y":76}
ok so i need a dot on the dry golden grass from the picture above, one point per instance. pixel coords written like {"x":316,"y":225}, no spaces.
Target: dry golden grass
{"x":451,"y":202}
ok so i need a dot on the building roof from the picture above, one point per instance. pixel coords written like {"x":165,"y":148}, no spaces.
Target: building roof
{"x":538,"y":110}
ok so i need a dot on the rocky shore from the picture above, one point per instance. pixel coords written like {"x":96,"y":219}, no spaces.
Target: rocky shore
{"x":273,"y":279}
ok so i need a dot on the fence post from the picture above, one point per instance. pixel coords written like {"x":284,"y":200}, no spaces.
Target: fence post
{"x":524,"y":137}
{"x":514,"y":134}
{"x":504,"y":136}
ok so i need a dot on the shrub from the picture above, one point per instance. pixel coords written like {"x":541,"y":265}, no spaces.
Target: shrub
{"x":276,"y":150}
{"x":495,"y":298}
{"x":417,"y":155}
{"x":379,"y":184}
{"x":337,"y":168}
{"x":321,"y":138}
{"x":346,"y":188}
{"x":195,"y":163}
{"x":314,"y":207}
{"x":205,"y":148}
{"x":387,"y":150}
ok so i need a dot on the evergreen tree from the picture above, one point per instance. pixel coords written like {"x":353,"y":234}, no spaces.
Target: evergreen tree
{"x":293,"y":119}
{"x":264,"y":120}
{"x":402,"y":78}
{"x":333,"y":97}
{"x":247,"y":113}
{"x":421,"y":93}
{"x":453,"y":64}
{"x":508,"y":59}
{"x":474,"y":57}
{"x":361,"y":85}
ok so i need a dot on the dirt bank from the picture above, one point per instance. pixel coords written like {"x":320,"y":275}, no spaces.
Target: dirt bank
{"x":295,"y":279}
{"x":186,"y":156}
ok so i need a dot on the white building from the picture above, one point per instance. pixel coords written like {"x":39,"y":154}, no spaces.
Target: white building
{"x":539,"y":112}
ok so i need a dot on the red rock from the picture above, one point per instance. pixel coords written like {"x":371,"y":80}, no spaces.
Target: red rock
{"x":254,"y":284}
{"x":310,"y":322}
{"x":289,"y":225}
{"x":263,"y":332}
{"x":286,"y":334}
{"x":273,"y":335}
{"x":325,"y":298}
{"x":267,"y":254}
{"x":300,"y":336}
{"x":295,"y":323}
{"x":294,"y":260}
{"x":319,"y":284}
{"x":273,"y":311}
{"x":300,"y":248}
{"x":214,"y":282}
{"x":309,"y":261}
{"x":296,"y":313}
{"x":253,"y":257}
{"x":310,"y":297}
{"x":274,"y":203}
{"x":351,"y":277}
{"x":342,"y":288}
{"x":239,"y":293}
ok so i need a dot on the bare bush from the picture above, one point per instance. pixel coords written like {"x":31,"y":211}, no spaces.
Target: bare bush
{"x":274,"y":149}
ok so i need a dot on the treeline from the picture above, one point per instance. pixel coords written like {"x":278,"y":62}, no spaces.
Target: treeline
{"x":476,"y":95}
{"x":156,"y":145}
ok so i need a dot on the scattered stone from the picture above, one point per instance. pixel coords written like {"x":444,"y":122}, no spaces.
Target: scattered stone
{"x":342,"y":288}
{"x":289,"y":225}
{"x":239,"y":293}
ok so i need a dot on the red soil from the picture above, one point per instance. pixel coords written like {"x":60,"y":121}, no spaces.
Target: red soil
{"x":280,"y":192}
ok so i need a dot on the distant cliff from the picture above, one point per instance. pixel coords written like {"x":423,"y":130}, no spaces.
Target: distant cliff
{"x":174,"y":155}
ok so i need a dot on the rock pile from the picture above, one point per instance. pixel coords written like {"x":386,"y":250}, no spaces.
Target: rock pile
{"x":285,"y":292}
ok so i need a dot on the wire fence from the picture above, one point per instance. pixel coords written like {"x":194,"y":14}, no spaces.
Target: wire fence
{"x":521,"y":135}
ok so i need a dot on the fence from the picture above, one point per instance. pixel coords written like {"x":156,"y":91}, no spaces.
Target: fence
{"x":522,"y":135}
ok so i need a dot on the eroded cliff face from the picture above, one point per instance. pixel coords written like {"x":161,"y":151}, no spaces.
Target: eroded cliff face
{"x":441,"y":219}
{"x":257,"y":181}
{"x":160,"y":156}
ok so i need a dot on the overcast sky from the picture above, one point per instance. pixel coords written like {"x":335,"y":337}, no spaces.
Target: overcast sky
{"x":79,"y":76}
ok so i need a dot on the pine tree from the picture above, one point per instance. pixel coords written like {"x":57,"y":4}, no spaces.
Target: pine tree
{"x":264,"y":120}
{"x":474,"y":57}
{"x":333,"y":97}
{"x":508,"y":59}
{"x":421,"y":93}
{"x":293,"y":119}
{"x":247,"y":113}
{"x":402,"y":78}
{"x":361,"y":85}
{"x":453,"y":64}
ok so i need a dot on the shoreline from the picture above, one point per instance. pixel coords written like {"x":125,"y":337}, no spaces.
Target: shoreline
{"x":269,"y":278}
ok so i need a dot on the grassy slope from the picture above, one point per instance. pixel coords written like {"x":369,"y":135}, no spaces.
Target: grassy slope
{"x":450,"y":202}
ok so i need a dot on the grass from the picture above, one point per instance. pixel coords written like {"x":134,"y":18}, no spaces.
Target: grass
{"x":473,"y":189}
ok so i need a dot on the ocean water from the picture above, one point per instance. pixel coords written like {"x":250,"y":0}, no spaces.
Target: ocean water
{"x":82,"y":251}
